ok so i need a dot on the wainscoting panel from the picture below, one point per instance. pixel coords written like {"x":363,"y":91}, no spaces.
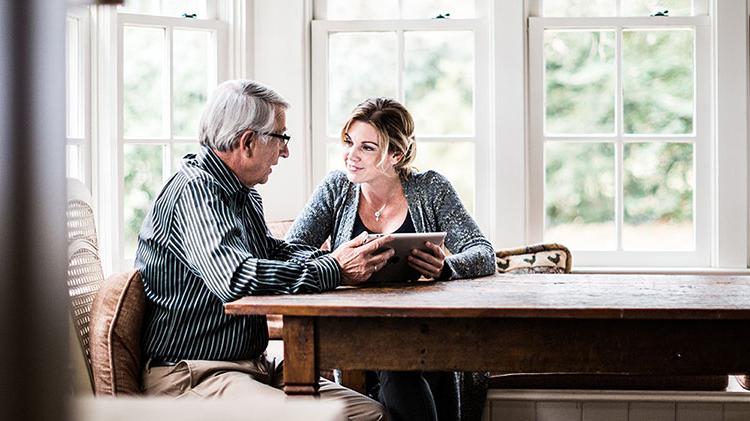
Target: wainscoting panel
{"x":558,"y":411}
{"x":605,"y":411}
{"x":689,"y":411}
{"x":531,"y":405}
{"x":652,"y":411}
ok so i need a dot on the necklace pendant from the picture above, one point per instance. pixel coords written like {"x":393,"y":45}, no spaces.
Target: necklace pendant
{"x":377,"y":216}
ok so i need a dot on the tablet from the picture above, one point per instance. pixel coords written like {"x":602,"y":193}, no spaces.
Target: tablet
{"x":397,"y":268}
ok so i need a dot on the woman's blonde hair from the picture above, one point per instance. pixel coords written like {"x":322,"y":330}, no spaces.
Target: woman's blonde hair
{"x":395,"y":128}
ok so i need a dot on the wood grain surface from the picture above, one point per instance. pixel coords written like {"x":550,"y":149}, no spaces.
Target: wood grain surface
{"x":554,"y":296}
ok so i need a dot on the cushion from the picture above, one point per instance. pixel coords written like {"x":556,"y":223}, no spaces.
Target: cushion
{"x":116,"y":321}
{"x":537,"y":258}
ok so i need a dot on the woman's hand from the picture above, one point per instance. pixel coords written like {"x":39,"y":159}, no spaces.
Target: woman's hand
{"x":429,"y":265}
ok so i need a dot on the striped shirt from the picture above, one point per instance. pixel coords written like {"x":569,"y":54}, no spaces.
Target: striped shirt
{"x":205,"y":243}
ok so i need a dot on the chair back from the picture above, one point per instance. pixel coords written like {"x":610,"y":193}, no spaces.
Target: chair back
{"x":85,"y":276}
{"x":79,"y":214}
{"x":536,"y":258}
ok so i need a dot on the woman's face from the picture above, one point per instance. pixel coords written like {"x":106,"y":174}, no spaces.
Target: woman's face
{"x":362,"y":154}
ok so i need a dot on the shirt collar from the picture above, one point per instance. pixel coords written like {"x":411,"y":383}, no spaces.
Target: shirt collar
{"x":220,"y":171}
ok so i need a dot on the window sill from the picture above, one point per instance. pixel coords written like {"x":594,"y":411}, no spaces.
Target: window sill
{"x":660,"y":270}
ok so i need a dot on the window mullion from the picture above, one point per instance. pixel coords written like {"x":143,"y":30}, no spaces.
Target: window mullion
{"x":169,"y":112}
{"x":401,"y":65}
{"x":620,"y":130}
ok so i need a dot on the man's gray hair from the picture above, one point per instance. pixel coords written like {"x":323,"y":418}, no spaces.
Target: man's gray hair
{"x":236,"y":106}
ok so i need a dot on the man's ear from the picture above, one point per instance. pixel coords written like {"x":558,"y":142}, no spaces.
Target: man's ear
{"x":246,"y":141}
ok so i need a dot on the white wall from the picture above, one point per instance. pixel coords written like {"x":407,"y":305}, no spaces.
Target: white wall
{"x":281,"y":64}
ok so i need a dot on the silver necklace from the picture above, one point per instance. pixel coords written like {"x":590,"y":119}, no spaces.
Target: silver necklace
{"x":378,"y":213}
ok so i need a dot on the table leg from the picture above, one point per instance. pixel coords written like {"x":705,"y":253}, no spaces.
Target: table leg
{"x":300,"y":361}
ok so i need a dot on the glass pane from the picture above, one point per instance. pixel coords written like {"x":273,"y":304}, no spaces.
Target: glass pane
{"x":144,"y":87}
{"x":429,"y":9}
{"x":579,"y":192}
{"x":143,"y":179}
{"x":73,"y":162}
{"x":361,"y":65}
{"x":173,"y":8}
{"x":179,"y":150}
{"x":180,"y":7}
{"x":362,"y":9}
{"x":191,"y":79}
{"x":658,"y":200}
{"x":651,"y":7}
{"x":73,"y":88}
{"x":334,"y":156}
{"x":454,"y":160}
{"x":439,"y":81}
{"x":579,"y":82}
{"x":658,"y":81}
{"x":578,"y":8}
{"x":149,"y":7}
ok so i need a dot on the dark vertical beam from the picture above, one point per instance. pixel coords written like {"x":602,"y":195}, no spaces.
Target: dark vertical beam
{"x":33,"y":297}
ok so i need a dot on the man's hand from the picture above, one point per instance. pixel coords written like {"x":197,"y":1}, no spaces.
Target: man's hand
{"x":358,"y":259}
{"x":429,"y":265}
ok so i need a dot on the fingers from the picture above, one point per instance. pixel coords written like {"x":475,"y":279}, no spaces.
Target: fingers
{"x":424,"y":268}
{"x":359,"y":240}
{"x":427,"y":257}
{"x":376,"y":244}
{"x":437,"y":251}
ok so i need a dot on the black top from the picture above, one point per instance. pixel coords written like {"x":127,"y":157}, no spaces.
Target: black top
{"x":359,"y":226}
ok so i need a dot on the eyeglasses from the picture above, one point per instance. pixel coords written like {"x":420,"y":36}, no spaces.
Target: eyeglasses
{"x":283,"y":138}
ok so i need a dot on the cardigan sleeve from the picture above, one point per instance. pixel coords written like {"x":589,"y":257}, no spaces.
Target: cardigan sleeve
{"x":472,"y":254}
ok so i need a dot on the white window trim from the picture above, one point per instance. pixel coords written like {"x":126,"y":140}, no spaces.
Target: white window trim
{"x":700,"y":138}
{"x":106,"y":145}
{"x":81,"y":14}
{"x":484,"y":148}
{"x":730,"y":235}
{"x":169,"y":24}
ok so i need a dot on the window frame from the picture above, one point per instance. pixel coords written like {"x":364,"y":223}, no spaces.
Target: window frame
{"x":83,"y":81}
{"x":322,"y":28}
{"x":700,"y":138}
{"x":169,"y":140}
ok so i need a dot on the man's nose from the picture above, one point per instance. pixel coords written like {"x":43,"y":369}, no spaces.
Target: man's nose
{"x":284,"y":152}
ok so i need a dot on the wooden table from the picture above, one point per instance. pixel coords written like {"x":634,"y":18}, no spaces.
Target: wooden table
{"x":638,"y":324}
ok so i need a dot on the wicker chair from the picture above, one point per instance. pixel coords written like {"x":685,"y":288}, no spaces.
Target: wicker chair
{"x":85,"y":276}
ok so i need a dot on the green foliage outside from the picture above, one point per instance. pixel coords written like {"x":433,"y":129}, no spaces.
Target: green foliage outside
{"x":658,"y":99}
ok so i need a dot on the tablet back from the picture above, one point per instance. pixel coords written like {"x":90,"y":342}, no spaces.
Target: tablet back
{"x":397,"y":269}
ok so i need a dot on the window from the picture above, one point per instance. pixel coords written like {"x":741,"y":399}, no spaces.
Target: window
{"x":77,"y":94}
{"x":167,"y":68}
{"x":620,"y":131}
{"x":432,"y":57}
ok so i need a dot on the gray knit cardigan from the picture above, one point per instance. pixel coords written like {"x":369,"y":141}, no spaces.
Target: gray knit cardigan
{"x":433,"y":205}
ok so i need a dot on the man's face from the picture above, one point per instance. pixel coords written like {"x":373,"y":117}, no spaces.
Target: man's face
{"x":259,"y":157}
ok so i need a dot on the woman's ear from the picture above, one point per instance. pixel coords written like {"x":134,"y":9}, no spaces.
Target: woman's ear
{"x":396,"y":157}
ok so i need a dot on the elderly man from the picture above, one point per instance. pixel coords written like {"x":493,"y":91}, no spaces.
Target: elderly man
{"x":205,"y":243}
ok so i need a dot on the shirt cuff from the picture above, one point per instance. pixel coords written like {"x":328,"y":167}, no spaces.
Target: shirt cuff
{"x":329,"y":272}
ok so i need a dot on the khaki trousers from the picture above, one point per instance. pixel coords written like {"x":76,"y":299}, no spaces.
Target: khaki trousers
{"x":236,"y":379}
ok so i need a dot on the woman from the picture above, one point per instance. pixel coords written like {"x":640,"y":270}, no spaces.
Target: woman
{"x":379,"y":192}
